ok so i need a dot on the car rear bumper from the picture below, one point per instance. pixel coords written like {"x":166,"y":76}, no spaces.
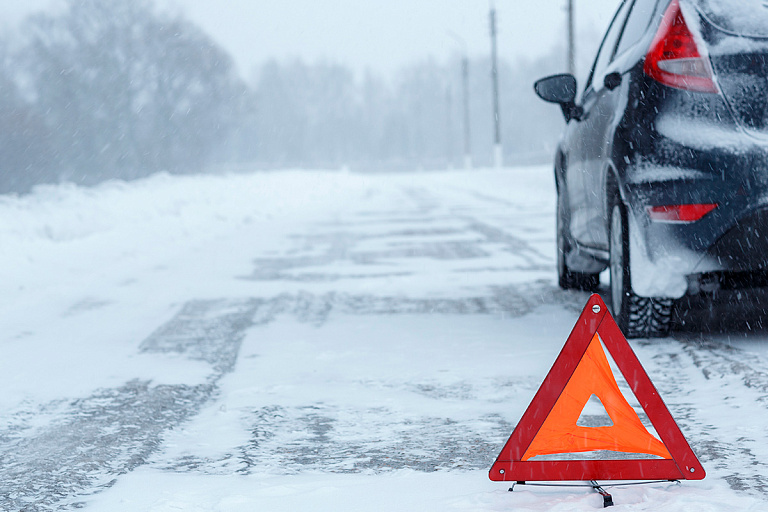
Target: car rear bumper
{"x":744,"y":247}
{"x":726,"y":246}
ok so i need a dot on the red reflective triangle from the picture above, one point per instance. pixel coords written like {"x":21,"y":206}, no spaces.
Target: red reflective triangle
{"x":549,"y":424}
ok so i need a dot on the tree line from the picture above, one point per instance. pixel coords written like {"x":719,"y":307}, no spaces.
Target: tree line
{"x":322,"y":114}
{"x":105,"y":89}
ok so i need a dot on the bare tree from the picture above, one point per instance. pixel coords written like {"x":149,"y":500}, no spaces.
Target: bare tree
{"x":128,"y":89}
{"x":24,"y":137}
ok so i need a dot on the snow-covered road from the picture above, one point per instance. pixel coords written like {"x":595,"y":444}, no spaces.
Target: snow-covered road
{"x":317,"y":340}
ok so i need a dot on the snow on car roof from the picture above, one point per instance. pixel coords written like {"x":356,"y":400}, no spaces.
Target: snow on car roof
{"x":744,"y":17}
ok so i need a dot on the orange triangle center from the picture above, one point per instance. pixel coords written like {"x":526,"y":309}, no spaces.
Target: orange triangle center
{"x":560,"y":432}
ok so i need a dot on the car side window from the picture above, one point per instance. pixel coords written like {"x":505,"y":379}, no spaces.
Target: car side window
{"x":637,"y":23}
{"x":607,"y":48}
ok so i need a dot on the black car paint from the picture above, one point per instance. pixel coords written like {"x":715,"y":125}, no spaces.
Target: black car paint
{"x":626,"y":131}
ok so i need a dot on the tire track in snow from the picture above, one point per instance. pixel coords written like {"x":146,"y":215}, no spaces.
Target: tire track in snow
{"x":739,"y":453}
{"x":87,"y":443}
{"x":692,"y":372}
{"x":435,"y":231}
{"x":431,"y":443}
{"x":352,"y":439}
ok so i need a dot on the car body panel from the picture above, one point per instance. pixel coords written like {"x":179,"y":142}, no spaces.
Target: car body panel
{"x":652,"y":144}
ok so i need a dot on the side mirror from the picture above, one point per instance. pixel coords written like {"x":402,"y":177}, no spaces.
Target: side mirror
{"x":560,"y":89}
{"x":557,"y":88}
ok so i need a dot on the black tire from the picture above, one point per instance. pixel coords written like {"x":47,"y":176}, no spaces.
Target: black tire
{"x":567,"y":278}
{"x":638,"y":317}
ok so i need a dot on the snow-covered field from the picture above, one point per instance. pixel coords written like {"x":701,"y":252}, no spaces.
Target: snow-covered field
{"x":317,"y":340}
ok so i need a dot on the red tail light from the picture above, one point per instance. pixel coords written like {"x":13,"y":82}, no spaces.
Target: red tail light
{"x":674,"y":58}
{"x":679,"y":213}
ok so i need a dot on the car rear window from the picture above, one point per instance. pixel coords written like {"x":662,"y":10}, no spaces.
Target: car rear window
{"x":744,"y":17}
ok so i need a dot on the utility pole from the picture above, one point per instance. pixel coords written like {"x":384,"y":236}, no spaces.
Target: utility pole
{"x":497,"y":151}
{"x":450,"y":150}
{"x":571,"y":40}
{"x":465,"y":99}
{"x":467,"y":132}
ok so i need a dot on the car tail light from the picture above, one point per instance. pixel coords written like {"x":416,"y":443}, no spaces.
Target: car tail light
{"x":674,"y":58}
{"x":679,"y":213}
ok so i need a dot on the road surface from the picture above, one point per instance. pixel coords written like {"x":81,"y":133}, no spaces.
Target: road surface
{"x":322,"y":339}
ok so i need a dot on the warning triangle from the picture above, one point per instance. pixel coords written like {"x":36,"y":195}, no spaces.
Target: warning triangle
{"x":549,"y":425}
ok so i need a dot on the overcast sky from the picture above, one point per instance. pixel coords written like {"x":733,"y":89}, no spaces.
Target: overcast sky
{"x":380,"y":35}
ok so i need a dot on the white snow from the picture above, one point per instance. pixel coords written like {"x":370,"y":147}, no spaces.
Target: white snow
{"x":647,"y":173}
{"x":744,"y":17}
{"x":705,"y":136}
{"x":403,"y":491}
{"x":663,"y":276}
{"x":89,"y":274}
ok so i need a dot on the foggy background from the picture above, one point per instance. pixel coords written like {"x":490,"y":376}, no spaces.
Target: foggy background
{"x":98,"y":89}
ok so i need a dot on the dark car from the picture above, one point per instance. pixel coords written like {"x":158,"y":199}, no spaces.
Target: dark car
{"x":662,"y":170}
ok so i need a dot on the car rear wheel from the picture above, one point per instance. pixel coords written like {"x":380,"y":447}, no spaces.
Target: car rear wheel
{"x":638,"y":317}
{"x":567,"y":278}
